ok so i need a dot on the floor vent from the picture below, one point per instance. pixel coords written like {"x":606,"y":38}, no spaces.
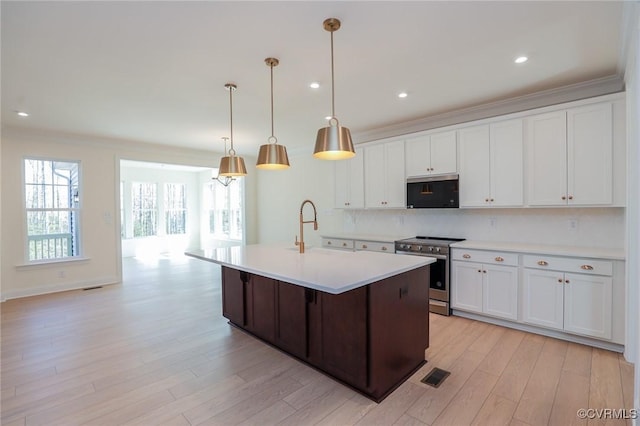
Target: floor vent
{"x":435,"y":377}
{"x":92,"y":288}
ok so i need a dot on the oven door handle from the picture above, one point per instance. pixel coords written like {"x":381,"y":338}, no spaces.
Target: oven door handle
{"x":435,"y":256}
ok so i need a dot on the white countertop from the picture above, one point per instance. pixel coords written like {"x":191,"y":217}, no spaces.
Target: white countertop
{"x":574,"y":251}
{"x":331,"y":271}
{"x":367,"y":237}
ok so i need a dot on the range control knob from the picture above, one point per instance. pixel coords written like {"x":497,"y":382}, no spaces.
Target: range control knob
{"x":437,"y":249}
{"x":430,"y":249}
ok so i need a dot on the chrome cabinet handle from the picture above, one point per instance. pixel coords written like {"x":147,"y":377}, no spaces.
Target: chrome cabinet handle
{"x":587,"y":267}
{"x":466,"y":256}
{"x":499,"y":259}
{"x":543,"y":263}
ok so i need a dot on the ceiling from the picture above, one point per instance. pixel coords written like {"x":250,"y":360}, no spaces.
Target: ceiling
{"x":155,"y":71}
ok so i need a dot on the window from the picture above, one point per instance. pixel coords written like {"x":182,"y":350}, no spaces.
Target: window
{"x":52,"y":203}
{"x":144,"y":207}
{"x":224,"y":205}
{"x":175,"y":208}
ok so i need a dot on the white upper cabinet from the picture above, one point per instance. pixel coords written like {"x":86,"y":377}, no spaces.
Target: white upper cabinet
{"x":570,"y":157}
{"x":590,"y":154}
{"x":349,"y":182}
{"x":384,"y":171}
{"x":431,"y":155}
{"x":491,"y":165}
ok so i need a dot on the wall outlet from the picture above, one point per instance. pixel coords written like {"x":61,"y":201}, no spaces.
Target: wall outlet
{"x":572,"y":224}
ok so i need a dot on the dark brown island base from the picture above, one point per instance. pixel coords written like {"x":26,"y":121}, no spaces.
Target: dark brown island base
{"x":371,"y":338}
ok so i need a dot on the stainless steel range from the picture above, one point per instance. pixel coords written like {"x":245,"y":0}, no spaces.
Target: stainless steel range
{"x":438,"y":247}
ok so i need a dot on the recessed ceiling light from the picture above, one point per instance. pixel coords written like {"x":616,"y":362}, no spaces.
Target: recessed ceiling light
{"x":521,"y":60}
{"x":314,"y":85}
{"x":402,"y":95}
{"x":22,"y":113}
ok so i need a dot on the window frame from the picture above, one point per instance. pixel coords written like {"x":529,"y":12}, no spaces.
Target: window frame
{"x":77,"y":213}
{"x":241,"y":211}
{"x":166,"y":210}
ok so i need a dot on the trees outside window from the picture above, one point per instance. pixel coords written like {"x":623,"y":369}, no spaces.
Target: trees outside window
{"x":52,"y":208}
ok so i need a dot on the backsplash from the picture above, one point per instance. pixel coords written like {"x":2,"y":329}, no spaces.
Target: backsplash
{"x":588,"y":227}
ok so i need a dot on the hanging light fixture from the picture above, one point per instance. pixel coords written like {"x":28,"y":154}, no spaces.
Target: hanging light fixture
{"x":225,"y":180}
{"x":272,"y":156}
{"x":333,"y":142}
{"x":231,"y":165}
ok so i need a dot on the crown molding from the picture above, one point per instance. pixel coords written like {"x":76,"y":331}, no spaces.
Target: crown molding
{"x":573,"y":92}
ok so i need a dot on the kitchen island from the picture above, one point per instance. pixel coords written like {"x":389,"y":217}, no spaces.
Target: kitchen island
{"x":361,"y":317}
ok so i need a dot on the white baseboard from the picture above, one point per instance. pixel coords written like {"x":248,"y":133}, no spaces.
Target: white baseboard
{"x":55,"y":288}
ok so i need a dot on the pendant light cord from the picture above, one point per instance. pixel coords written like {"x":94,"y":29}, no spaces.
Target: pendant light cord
{"x":231,"y":150}
{"x":333,"y":107}
{"x":272,"y":133}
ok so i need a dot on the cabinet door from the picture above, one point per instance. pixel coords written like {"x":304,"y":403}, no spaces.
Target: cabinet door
{"x":341,"y":184}
{"x":542,"y":298}
{"x":374,"y":184}
{"x":349,"y":182}
{"x":506,"y":163}
{"x":291,"y":320}
{"x":233,"y":295}
{"x":466,"y":286}
{"x":475,"y":186}
{"x":261,"y":307}
{"x":444,"y":153}
{"x":500,"y":291}
{"x":590,"y":153}
{"x":356,"y":180}
{"x":399,"y":326}
{"x":418,"y":157}
{"x":547,"y":159}
{"x":343,"y":335}
{"x":395,"y":186}
{"x":587,"y":305}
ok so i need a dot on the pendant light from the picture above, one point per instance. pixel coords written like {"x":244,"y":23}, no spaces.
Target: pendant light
{"x":224,"y":180}
{"x":272,"y":156}
{"x":231,"y":165}
{"x":333,"y":142}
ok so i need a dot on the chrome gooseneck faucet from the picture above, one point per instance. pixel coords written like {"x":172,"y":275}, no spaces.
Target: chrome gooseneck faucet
{"x":302,"y":222}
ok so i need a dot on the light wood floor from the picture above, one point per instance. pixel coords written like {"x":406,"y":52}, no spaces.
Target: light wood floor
{"x":156,"y":350}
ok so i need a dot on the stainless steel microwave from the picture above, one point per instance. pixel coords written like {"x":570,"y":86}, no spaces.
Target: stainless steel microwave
{"x":433,"y":192}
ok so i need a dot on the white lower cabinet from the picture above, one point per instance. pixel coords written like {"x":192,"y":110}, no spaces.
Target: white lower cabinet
{"x":578,"y":303}
{"x":490,"y":287}
{"x":571,"y":295}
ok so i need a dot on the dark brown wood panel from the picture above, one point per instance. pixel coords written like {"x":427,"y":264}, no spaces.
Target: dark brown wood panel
{"x":291,"y":318}
{"x":399,"y":326}
{"x":233,"y":296}
{"x":344,"y":335}
{"x":261,"y":304}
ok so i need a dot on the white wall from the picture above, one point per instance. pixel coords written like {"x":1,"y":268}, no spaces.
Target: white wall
{"x":100,"y":158}
{"x":152,"y":246}
{"x":280,"y":194}
{"x":632,"y":71}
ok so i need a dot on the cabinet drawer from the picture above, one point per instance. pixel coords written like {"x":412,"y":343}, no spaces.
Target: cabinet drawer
{"x":482,"y":256}
{"x":375,"y":246}
{"x":569,"y":264}
{"x":337,"y":243}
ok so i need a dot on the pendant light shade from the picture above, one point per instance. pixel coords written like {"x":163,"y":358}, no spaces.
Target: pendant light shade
{"x":231,"y":165}
{"x":333,"y":142}
{"x":272,"y":156}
